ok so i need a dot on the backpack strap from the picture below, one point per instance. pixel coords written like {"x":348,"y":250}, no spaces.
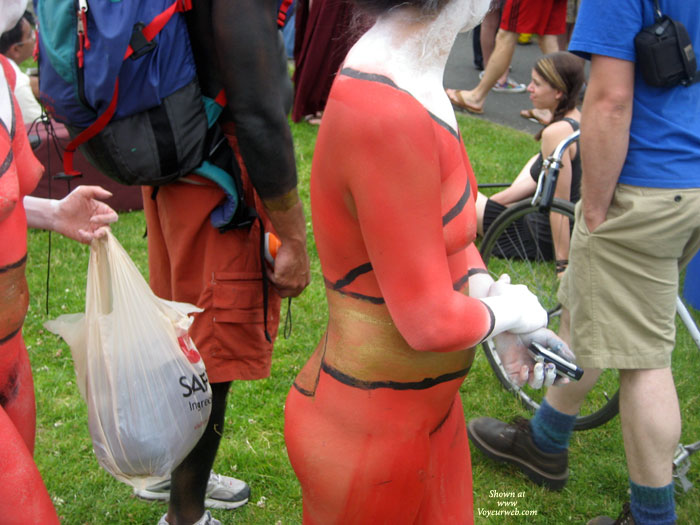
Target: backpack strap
{"x":282,"y":12}
{"x":147,"y":34}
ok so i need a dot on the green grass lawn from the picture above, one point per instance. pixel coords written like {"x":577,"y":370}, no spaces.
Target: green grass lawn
{"x":253,"y":444}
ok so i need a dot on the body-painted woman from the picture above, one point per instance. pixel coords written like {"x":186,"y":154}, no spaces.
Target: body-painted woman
{"x":374,"y":422}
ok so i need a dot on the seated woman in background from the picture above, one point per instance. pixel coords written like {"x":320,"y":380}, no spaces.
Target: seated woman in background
{"x":374,"y":423}
{"x":557,"y":80}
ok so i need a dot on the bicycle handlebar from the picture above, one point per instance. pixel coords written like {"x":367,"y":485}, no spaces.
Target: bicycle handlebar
{"x":547,"y":179}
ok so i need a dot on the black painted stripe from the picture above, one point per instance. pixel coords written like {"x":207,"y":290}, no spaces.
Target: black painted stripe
{"x":459,"y":283}
{"x":9,"y":336}
{"x":352,"y":275}
{"x":442,"y":421}
{"x":371,"y":77}
{"x":445,"y":125}
{"x":383,"y":79}
{"x":354,"y":295}
{"x":14,"y":265}
{"x":493,"y":323}
{"x":459,"y":206}
{"x":303,"y":391}
{"x":424,"y":384}
{"x":7,"y":162}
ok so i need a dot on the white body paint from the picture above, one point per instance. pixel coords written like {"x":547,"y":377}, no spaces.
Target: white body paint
{"x":10,"y":12}
{"x":5,"y":105}
{"x":412,"y":50}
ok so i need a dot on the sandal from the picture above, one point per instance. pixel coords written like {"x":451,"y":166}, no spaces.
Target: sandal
{"x":532,"y":117}
{"x":458,"y":102}
{"x":314,"y":119}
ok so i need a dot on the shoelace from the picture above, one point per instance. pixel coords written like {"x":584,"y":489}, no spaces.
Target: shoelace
{"x":625,"y":517}
{"x":521,"y":424}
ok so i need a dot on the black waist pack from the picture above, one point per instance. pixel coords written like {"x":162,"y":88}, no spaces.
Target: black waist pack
{"x":665,"y":54}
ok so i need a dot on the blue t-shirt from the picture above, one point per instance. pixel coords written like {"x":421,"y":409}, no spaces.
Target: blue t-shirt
{"x":664,"y":146}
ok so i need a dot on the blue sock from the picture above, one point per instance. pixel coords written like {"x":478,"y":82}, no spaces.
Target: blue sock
{"x":551,"y":429}
{"x":652,"y":505}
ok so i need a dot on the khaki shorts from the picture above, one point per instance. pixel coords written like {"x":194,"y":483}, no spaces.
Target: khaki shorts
{"x":622,"y":280}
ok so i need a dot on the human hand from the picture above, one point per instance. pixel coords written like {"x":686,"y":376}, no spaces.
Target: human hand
{"x":516,"y":309}
{"x":521,"y":367}
{"x":594,"y":214}
{"x":81,"y":216}
{"x":290,"y":273}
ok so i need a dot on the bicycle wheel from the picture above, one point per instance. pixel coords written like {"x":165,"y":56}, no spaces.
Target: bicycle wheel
{"x":519,"y":243}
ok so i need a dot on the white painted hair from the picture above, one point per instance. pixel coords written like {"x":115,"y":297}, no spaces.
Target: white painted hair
{"x":10,"y":13}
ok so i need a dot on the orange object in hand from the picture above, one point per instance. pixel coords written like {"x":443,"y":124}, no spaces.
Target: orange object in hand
{"x":272,"y":245}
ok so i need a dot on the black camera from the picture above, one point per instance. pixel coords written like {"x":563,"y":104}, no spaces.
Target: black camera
{"x":665,"y":54}
{"x":563,"y":367}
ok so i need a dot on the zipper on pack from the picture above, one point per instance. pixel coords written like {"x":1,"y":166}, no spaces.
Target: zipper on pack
{"x":83,"y":44}
{"x":83,"y":40}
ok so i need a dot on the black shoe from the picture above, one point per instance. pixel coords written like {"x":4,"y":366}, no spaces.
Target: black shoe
{"x":625,"y":518}
{"x":513,"y":443}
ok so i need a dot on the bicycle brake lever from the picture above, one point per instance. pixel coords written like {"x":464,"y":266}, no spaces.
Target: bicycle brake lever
{"x":540,"y":182}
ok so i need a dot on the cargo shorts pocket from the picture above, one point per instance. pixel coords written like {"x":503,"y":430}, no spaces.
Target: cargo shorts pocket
{"x":237,"y":297}
{"x":238,"y":313}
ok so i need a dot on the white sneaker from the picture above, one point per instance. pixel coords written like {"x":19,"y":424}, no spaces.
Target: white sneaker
{"x":509,"y":86}
{"x":206,"y":519}
{"x":223,"y":492}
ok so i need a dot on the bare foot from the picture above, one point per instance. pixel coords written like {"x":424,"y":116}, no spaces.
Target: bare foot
{"x":463,"y":99}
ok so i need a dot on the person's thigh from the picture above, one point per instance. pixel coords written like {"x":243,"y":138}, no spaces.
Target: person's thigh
{"x":23,"y":496}
{"x":368,"y":456}
{"x":349,"y":474}
{"x":622,"y":281}
{"x":17,"y":390}
{"x":449,"y":498}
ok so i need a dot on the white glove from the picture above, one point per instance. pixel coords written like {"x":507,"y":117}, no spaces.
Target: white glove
{"x":515,"y":308}
{"x":521,"y":367}
{"x":480,"y":284}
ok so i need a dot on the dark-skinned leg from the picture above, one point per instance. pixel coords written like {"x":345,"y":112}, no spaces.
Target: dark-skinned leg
{"x":189,"y":479}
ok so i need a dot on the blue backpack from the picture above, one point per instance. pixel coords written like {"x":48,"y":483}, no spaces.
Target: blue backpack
{"x":121,"y":76}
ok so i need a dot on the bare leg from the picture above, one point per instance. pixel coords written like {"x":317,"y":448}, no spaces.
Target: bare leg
{"x":489,"y":29}
{"x":651,"y":424}
{"x":565,"y":38}
{"x":569,"y":398}
{"x":549,"y":44}
{"x":189,"y":480}
{"x":496,"y":67}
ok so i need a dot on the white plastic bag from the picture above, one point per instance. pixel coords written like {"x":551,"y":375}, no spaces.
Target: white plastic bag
{"x":144,"y":381}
